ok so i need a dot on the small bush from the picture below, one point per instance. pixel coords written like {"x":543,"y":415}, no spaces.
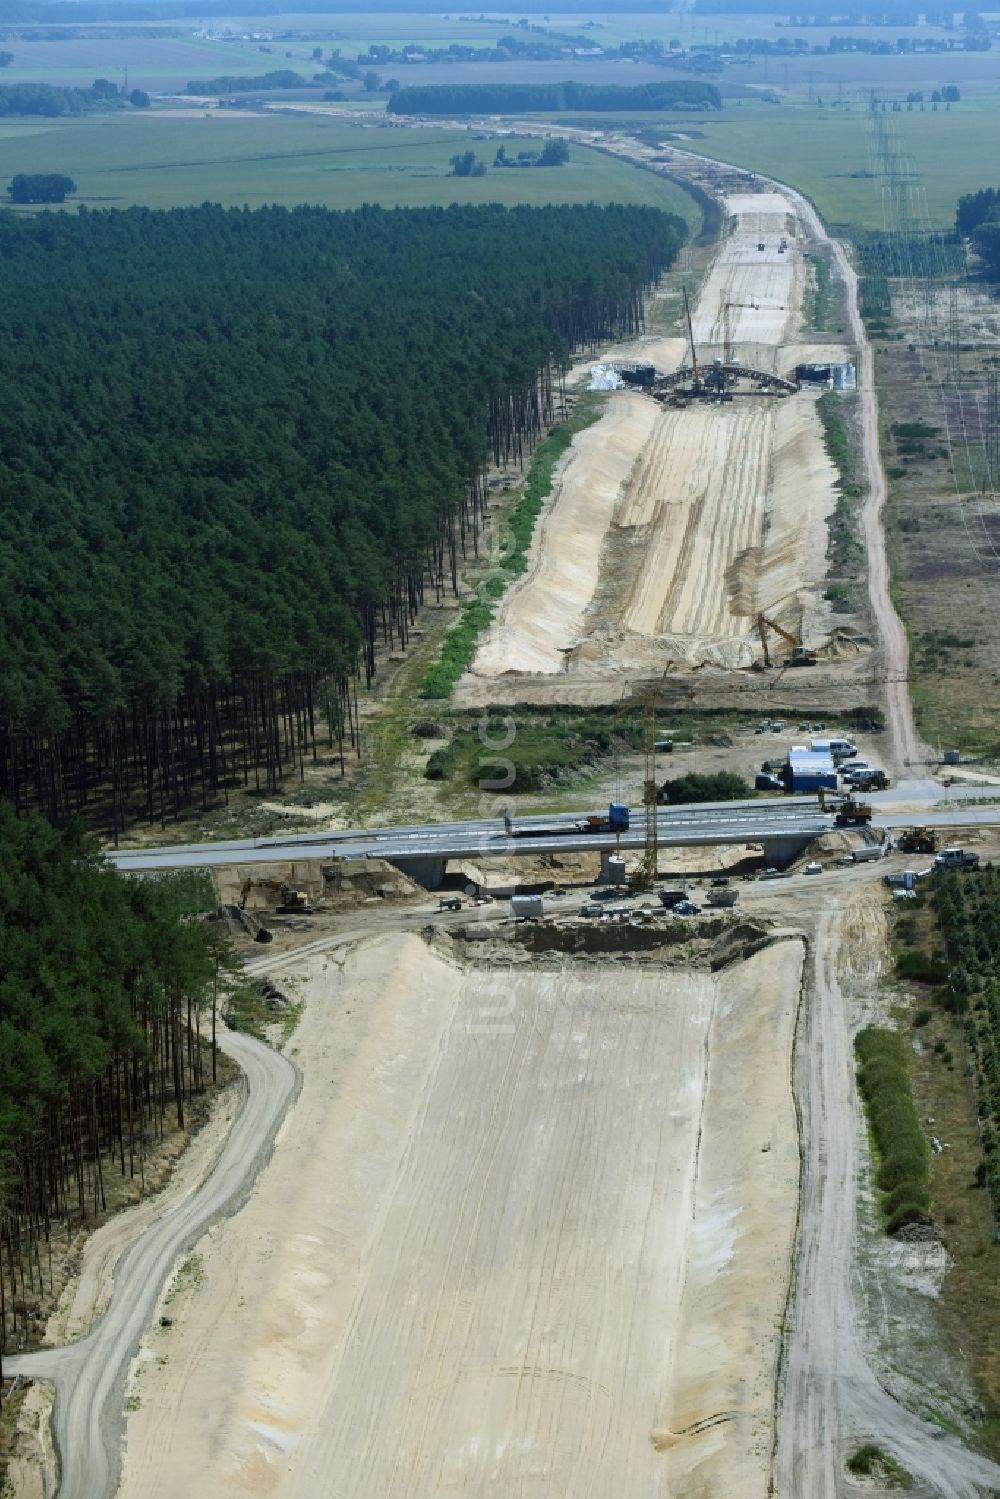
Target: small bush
{"x":909,"y":1212}
{"x":921,"y":1018}
{"x":723,"y":787}
{"x":911,"y":963}
{"x":908,"y":1193}
{"x":870,"y":1461}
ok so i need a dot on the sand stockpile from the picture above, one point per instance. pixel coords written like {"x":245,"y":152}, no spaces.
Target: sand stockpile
{"x":499,"y":1208}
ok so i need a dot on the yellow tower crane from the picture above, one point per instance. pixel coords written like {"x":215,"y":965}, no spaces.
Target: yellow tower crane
{"x":647,"y":870}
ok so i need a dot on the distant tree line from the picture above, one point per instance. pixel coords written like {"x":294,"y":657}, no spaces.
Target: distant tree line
{"x":41,"y":187}
{"x":554,"y":153}
{"x":975,"y":208}
{"x":978,"y":218}
{"x":550,"y":98}
{"x":51,"y":100}
{"x":239,"y":448}
{"x":106,"y":996}
{"x":226,"y":84}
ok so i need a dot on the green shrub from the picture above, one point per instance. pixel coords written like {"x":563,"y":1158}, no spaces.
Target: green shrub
{"x":904,"y":1156}
{"x":910,"y":1212}
{"x":907,"y":1193}
{"x":459,"y":645}
{"x":870,"y":1461}
{"x":723,"y":787}
{"x":911,"y":963}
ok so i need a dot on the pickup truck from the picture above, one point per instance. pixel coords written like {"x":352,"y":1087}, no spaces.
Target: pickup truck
{"x":956,"y":858}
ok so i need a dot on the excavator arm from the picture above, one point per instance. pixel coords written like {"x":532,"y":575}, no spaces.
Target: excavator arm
{"x":763,"y":622}
{"x":762,"y":627}
{"x":800,"y":655}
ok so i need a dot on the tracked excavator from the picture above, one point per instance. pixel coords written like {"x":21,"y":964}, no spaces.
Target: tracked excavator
{"x":291,"y":902}
{"x":800,"y":655}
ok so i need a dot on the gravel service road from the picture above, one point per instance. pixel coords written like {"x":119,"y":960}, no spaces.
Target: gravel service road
{"x":89,"y":1375}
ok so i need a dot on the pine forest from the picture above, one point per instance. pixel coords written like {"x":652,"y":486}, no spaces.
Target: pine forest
{"x":106,"y":1029}
{"x":239,"y":448}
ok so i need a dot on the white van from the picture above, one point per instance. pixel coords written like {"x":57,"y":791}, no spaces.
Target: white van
{"x":840,"y":749}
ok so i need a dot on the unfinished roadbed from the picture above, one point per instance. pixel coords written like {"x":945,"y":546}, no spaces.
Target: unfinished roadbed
{"x":527,"y":1231}
{"x":670,"y":529}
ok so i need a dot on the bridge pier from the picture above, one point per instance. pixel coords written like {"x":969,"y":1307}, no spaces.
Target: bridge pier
{"x":425,"y":869}
{"x":782,"y":848}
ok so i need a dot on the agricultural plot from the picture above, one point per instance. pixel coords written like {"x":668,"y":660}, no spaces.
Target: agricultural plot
{"x":157,"y":64}
{"x":163,"y":162}
{"x":824,"y":152}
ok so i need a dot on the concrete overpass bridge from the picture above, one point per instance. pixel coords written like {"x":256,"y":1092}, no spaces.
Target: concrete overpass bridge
{"x":783,"y":829}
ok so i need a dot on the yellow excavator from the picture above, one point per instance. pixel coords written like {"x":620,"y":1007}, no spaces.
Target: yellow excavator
{"x":800,"y":655}
{"x":291,"y":902}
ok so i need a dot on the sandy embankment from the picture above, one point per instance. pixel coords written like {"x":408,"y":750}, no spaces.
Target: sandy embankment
{"x":544,"y":613}
{"x":519,"y":1235}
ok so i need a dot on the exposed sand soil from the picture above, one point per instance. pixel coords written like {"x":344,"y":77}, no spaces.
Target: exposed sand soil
{"x":669,"y":530}
{"x":521,"y":1235}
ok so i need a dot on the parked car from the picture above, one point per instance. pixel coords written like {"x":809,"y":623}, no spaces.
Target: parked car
{"x":813,"y":868}
{"x":764,"y":781}
{"x":686,"y":908}
{"x":774,"y":874}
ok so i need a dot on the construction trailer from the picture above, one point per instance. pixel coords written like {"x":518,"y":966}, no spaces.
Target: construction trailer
{"x":810,"y":770}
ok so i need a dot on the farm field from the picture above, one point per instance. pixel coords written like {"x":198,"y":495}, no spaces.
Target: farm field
{"x":157,"y":64}
{"x":164,"y":162}
{"x":557,"y":1247}
{"x":824,"y":153}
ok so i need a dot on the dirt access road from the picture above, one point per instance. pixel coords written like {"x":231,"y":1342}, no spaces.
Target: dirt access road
{"x":89,"y":1375}
{"x":831,"y":1399}
{"x":668,"y":530}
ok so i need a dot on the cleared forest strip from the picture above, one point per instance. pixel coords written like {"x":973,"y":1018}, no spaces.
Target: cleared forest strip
{"x":542,"y":616}
{"x":671,"y":529}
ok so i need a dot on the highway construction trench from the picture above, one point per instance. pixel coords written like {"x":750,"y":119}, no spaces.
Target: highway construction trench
{"x":529,"y":1275}
{"x":529,"y":1225}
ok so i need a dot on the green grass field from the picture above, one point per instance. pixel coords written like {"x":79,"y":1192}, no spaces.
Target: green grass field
{"x":163,"y":162}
